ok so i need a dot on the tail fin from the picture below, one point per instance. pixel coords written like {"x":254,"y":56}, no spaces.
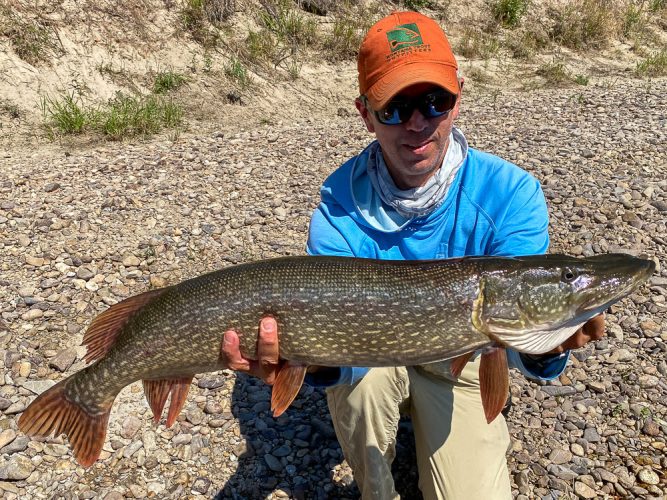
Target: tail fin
{"x":53,"y":413}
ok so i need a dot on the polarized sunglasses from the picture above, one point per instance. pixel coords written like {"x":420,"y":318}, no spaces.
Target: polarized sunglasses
{"x":430,"y":105}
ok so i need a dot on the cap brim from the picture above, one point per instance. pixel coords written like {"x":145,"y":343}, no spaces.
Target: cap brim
{"x":442,"y":75}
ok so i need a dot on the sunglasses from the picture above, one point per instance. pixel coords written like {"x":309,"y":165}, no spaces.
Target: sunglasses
{"x":430,"y":105}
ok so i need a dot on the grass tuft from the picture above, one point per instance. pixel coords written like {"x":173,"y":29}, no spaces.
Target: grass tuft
{"x":64,"y":115}
{"x":166,"y":81}
{"x":475,"y":44}
{"x":555,"y":73}
{"x":235,"y":70}
{"x":32,"y":40}
{"x":584,"y":24}
{"x":509,"y":12}
{"x":653,"y":66}
{"x":122,"y":117}
{"x":344,"y":40}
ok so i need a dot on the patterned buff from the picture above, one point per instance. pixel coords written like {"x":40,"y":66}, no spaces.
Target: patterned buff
{"x":420,"y":201}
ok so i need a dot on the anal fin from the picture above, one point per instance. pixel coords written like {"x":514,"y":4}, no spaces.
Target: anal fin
{"x":494,"y":381}
{"x":157,"y":392}
{"x":287,"y":385}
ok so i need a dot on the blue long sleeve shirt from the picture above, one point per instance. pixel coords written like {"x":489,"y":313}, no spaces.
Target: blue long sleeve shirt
{"x":492,"y":207}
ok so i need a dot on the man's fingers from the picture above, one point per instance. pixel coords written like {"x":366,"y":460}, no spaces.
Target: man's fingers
{"x":231,"y":353}
{"x":594,"y":327}
{"x":268,"y":353}
{"x":267,"y":346}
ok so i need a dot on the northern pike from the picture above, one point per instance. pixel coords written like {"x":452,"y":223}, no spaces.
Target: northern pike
{"x":331,"y":311}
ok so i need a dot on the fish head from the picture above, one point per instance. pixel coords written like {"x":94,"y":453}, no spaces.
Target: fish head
{"x":535,"y":303}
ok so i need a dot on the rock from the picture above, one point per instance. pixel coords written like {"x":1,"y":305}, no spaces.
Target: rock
{"x":130,"y":427}
{"x":38,"y":386}
{"x":201,"y":485}
{"x":559,"y":456}
{"x":648,"y":476}
{"x":583,"y":490}
{"x":16,"y":468}
{"x":131,"y":261}
{"x":34,"y":261}
{"x":63,"y":360}
{"x":6,"y":437}
{"x":554,"y":390}
{"x":32,"y":315}
{"x":273,"y":463}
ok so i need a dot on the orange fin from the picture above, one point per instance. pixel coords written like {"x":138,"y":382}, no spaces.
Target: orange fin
{"x":179,"y":393}
{"x":458,"y":364}
{"x":494,"y":381}
{"x":157,"y":392}
{"x":287,"y":385}
{"x":104,"y":329}
{"x":53,"y":413}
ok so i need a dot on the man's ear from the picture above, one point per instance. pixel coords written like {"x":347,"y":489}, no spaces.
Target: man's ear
{"x":364,"y":112}
{"x":457,"y":106}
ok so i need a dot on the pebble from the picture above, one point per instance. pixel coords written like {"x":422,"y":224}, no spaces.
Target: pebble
{"x":63,"y":360}
{"x":648,"y":476}
{"x":16,"y":468}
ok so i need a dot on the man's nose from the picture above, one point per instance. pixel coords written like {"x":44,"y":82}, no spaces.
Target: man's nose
{"x":417,"y":121}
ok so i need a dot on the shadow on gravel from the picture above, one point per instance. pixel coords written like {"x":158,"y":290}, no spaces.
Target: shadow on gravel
{"x":297,"y":455}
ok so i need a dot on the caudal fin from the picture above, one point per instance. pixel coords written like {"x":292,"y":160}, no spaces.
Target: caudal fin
{"x":53,"y":413}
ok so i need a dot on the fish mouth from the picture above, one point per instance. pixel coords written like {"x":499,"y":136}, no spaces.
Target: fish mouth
{"x":635,"y":272}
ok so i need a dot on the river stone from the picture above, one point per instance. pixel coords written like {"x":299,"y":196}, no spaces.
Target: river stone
{"x":16,"y":469}
{"x":648,"y":476}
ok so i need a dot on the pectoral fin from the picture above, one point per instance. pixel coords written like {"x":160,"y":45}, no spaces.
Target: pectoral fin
{"x":287,"y":385}
{"x":458,"y":364}
{"x":494,"y":381}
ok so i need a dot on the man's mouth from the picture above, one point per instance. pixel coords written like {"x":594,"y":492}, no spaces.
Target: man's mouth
{"x":418,"y":148}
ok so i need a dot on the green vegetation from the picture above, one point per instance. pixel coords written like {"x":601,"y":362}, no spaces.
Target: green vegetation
{"x":509,"y":12}
{"x":581,"y":80}
{"x":198,"y":20}
{"x":344,"y":40}
{"x":130,"y":116}
{"x":64,"y":115}
{"x":417,"y":5}
{"x":32,"y":39}
{"x":555,"y":73}
{"x":584,"y":24}
{"x":122,"y":117}
{"x":654,"y":65}
{"x":235,"y":70}
{"x":287,"y":25}
{"x":633,"y":20}
{"x":166,"y":81}
{"x":476,"y":44}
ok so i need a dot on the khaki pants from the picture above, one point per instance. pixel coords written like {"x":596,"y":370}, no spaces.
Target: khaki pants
{"x":459,"y":455}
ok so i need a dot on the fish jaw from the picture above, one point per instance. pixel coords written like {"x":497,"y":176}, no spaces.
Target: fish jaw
{"x":531,"y":342}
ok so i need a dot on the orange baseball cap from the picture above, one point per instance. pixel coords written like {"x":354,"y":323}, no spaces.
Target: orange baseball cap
{"x":400,"y":50}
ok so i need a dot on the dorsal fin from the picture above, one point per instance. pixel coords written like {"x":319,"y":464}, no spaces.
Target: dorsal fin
{"x":104,"y":329}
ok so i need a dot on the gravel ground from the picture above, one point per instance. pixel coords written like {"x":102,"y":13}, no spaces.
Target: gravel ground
{"x":80,"y":231}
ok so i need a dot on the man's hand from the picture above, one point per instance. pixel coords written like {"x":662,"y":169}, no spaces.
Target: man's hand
{"x":268,"y":358}
{"x":593,"y":329}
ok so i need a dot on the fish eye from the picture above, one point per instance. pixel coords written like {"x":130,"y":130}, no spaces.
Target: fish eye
{"x":568,"y":275}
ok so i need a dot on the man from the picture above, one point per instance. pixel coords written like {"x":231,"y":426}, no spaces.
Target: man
{"x":420,"y":192}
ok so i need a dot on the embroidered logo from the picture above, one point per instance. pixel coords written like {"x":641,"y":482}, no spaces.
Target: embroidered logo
{"x":406,"y":35}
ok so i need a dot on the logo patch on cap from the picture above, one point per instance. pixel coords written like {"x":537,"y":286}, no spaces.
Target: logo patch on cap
{"x":403,"y":36}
